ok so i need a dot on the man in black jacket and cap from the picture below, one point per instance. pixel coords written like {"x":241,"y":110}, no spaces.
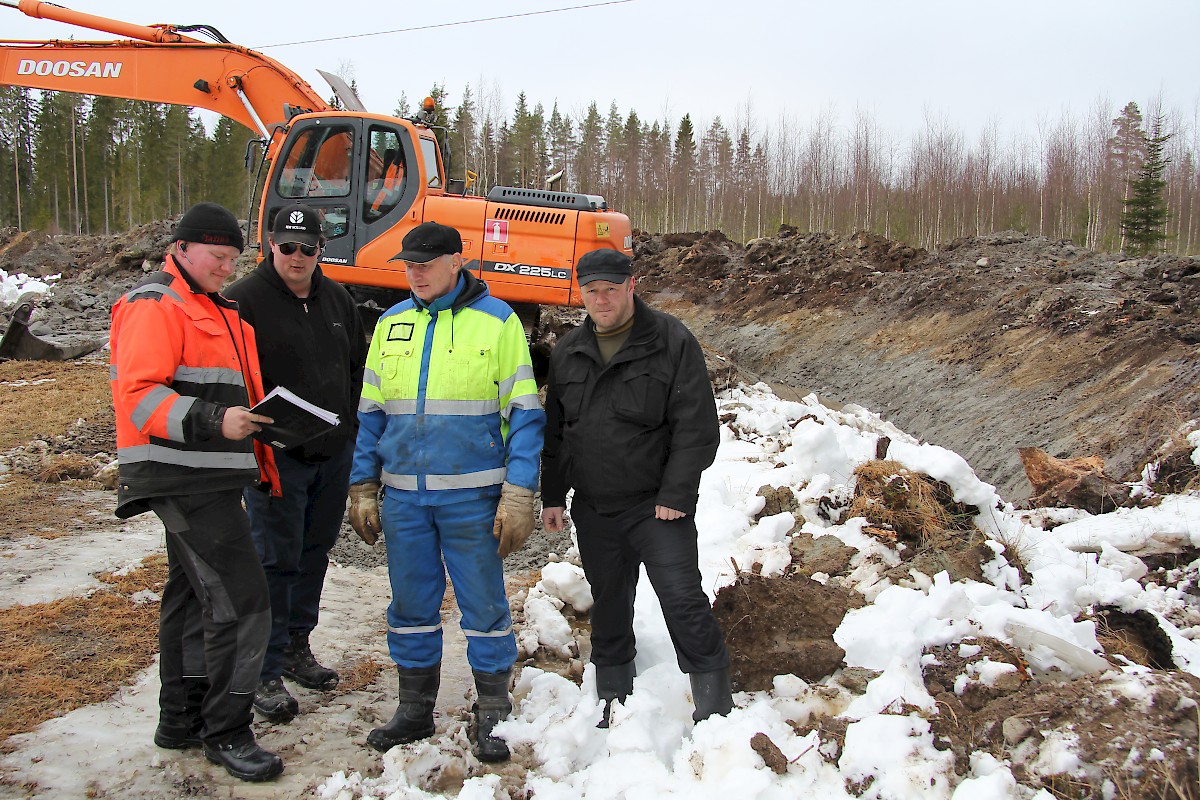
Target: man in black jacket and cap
{"x":630,"y":425}
{"x":311,"y":341}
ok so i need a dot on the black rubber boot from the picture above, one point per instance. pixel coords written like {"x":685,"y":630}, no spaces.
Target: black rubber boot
{"x":244,"y":759}
{"x":492,"y":706}
{"x":613,"y":683}
{"x":301,"y":666}
{"x":413,"y":719}
{"x":712,"y":693}
{"x":275,"y":702}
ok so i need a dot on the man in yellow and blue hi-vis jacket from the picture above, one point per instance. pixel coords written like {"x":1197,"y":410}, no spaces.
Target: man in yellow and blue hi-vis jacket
{"x":451,"y":427}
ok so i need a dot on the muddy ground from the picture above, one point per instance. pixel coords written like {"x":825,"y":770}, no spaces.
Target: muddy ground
{"x":983,"y":346}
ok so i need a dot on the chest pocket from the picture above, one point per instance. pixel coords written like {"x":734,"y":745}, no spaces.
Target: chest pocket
{"x":570,"y":383}
{"x":640,"y":395}
{"x":471,"y":372}
{"x":212,"y":344}
{"x":399,"y":365}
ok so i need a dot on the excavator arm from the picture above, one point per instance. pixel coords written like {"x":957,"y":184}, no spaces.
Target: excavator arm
{"x":158,"y":63}
{"x":371,"y":177}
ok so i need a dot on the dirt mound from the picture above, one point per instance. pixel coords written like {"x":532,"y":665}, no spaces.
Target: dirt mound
{"x":93,"y":272}
{"x":1100,"y":735}
{"x":780,"y":627}
{"x":988,"y":344}
{"x":1093,"y":716}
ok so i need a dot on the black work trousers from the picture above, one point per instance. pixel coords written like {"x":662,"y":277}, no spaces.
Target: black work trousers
{"x":613,"y":548}
{"x":293,"y":535}
{"x":215,"y":616}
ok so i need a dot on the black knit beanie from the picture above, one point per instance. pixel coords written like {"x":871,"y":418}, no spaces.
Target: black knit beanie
{"x":209,"y":223}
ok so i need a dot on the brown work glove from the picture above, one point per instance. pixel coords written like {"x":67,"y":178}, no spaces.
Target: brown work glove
{"x":364,"y":511}
{"x":514,"y":518}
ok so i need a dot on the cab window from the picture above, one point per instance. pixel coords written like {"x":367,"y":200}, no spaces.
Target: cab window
{"x":387,"y":173}
{"x":318,"y":164}
{"x":429,"y":153}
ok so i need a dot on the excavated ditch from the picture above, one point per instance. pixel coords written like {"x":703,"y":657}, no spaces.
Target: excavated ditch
{"x":987,"y":345}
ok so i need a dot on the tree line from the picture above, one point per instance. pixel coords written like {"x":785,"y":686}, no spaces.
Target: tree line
{"x":77,"y":164}
{"x":1113,"y":181}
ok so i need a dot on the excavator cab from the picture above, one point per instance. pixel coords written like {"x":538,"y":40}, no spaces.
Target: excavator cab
{"x":359,"y":172}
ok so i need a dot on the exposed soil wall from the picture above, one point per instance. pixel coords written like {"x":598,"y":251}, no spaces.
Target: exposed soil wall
{"x":987,"y":345}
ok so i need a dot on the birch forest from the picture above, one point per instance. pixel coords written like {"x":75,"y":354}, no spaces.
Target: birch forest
{"x":76,"y":164}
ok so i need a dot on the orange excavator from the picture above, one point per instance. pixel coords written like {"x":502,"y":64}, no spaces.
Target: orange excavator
{"x":372,"y":177}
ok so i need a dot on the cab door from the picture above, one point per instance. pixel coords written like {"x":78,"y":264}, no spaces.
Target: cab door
{"x":318,"y":166}
{"x":392,"y":181}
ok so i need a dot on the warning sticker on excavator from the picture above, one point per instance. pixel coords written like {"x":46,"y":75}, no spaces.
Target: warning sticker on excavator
{"x":601,"y":230}
{"x":495,"y":230}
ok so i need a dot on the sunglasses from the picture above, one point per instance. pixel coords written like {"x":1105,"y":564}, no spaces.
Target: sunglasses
{"x":287,"y":248}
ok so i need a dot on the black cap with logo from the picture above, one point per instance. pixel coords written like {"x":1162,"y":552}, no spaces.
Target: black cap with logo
{"x":604,"y":265}
{"x":428,"y":241}
{"x":298,"y":224}
{"x":209,"y":223}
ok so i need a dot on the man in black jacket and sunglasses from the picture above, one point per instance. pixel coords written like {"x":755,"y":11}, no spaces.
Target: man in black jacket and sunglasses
{"x":311,"y":341}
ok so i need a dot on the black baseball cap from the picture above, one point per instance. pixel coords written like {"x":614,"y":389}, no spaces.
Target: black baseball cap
{"x":428,"y":241}
{"x":299,"y":224}
{"x":604,"y":265}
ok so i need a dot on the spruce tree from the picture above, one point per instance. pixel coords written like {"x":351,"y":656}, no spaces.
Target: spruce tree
{"x":560,"y":133}
{"x":440,"y":122}
{"x":684,"y":174}
{"x":589,"y":156}
{"x":1145,"y":216}
{"x":403,"y":108}
{"x":463,"y":134}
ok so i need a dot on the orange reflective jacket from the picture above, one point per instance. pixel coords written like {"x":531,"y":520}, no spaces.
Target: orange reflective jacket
{"x":179,"y":358}
{"x":393,"y":182}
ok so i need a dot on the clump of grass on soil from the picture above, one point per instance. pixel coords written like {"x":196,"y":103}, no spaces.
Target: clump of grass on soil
{"x":67,"y":467}
{"x":80,"y":390}
{"x":32,"y":508}
{"x":357,"y":673}
{"x":903,"y":504}
{"x":56,"y":657}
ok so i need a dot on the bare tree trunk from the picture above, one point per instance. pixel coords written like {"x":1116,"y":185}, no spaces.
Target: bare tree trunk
{"x":17,"y":179}
{"x":87,"y":222}
{"x":75,"y":173}
{"x":179,"y":173}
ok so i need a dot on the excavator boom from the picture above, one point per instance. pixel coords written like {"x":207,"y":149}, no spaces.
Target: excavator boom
{"x":371,"y":177}
{"x":158,"y":64}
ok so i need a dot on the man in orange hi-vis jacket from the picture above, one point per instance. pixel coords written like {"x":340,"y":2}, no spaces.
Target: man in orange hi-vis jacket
{"x":184,"y":373}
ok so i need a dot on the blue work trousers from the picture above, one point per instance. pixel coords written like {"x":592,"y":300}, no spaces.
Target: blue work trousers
{"x":293,"y":535}
{"x":419,"y":540}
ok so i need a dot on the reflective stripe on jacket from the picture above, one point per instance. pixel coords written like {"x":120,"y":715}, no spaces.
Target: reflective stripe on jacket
{"x":449,"y":407}
{"x":178,"y":359}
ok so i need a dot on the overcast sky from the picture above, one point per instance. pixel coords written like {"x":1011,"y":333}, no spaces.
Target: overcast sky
{"x":1019,"y":63}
